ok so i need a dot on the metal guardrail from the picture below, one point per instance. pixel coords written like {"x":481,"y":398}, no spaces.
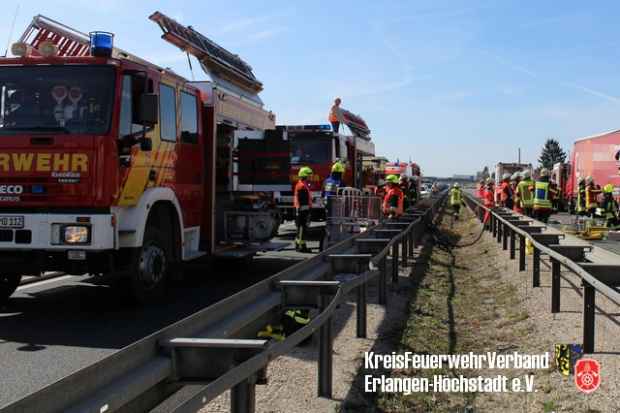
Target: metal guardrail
{"x":601,"y":278}
{"x":215,"y":349}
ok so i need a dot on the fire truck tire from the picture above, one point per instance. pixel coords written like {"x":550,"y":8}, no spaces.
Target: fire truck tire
{"x":8,"y":285}
{"x":152,"y":268}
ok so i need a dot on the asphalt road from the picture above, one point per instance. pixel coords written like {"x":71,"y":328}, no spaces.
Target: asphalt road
{"x":52,"y":328}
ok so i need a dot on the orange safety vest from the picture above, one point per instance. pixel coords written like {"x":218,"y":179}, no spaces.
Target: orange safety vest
{"x":301,"y":186}
{"x":333,"y":114}
{"x":395,"y":191}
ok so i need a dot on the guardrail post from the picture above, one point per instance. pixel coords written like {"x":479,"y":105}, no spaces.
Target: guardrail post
{"x":395,"y":262}
{"x":505,"y":240}
{"x":243,"y":397}
{"x":411,"y":242}
{"x":512,"y":244}
{"x":555,"y":286}
{"x":325,"y":353}
{"x":361,"y":311}
{"x":405,"y":249}
{"x":536,"y":268}
{"x":381,"y":282}
{"x":521,"y":253}
{"x":501,"y":228}
{"x":589,"y":311}
{"x":493,"y":225}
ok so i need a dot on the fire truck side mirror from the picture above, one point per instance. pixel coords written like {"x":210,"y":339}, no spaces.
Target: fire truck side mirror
{"x":147,"y":115}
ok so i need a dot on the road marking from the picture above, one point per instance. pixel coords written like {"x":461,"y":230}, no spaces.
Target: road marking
{"x":40,"y":283}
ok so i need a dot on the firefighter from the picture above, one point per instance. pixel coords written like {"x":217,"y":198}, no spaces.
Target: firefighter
{"x":556,"y":198}
{"x":394,"y":198}
{"x":489,"y":198}
{"x":543,"y":197}
{"x":505,"y":192}
{"x":524,"y":189}
{"x":331,"y":185}
{"x":592,"y":192}
{"x":302,"y":202}
{"x":403,"y":183}
{"x":514,"y":183}
{"x":581,"y":196}
{"x":456,"y":199}
{"x":609,"y":206}
{"x":481,"y":189}
{"x":335,"y":115}
{"x":414,"y":196}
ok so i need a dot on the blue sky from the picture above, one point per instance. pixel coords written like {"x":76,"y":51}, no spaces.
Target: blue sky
{"x":452,"y":85}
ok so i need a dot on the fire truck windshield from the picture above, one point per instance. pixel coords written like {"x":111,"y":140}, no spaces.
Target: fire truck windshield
{"x":63,"y":99}
{"x":310,"y":150}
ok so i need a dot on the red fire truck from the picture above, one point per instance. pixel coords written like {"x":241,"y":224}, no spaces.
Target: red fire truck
{"x":318,"y":147}
{"x":111,"y":164}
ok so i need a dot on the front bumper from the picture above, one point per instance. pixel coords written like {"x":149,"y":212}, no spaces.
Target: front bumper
{"x":37,"y":232}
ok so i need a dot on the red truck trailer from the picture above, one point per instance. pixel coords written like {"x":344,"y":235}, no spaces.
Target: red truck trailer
{"x":111,"y":164}
{"x":594,"y":156}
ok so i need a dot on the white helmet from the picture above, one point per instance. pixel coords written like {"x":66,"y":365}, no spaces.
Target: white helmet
{"x":580,"y":180}
{"x":589,"y":180}
{"x":544,"y":172}
{"x":505,"y":176}
{"x":526,"y":174}
{"x":456,"y":185}
{"x":515,"y":176}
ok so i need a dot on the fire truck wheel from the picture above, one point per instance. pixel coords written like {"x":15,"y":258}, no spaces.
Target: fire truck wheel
{"x":153,"y":267}
{"x":8,"y":285}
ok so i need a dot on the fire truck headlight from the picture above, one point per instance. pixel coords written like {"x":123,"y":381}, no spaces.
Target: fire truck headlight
{"x":74,"y":234}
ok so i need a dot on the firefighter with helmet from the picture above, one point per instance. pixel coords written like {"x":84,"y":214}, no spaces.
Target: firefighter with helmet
{"x":514,"y":184}
{"x":592,"y":191}
{"x":394,"y":198}
{"x":456,"y":199}
{"x":610,"y":206}
{"x":524,"y":189}
{"x":331,"y":185}
{"x":580,"y":208}
{"x":505,"y":192}
{"x":302,"y":201}
{"x":543,"y":197}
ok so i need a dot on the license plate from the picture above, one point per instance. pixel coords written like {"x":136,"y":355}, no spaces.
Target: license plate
{"x":11,"y":222}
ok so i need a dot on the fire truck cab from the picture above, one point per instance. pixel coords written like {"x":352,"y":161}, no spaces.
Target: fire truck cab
{"x":318,"y":147}
{"x":110,"y":164}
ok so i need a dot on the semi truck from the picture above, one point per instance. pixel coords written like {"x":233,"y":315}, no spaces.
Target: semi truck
{"x":113,"y":165}
{"x":594,"y":156}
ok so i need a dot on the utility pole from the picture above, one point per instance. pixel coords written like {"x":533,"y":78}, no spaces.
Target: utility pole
{"x":519,"y":155}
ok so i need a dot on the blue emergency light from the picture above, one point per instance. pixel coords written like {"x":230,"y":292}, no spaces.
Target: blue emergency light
{"x":101,"y":44}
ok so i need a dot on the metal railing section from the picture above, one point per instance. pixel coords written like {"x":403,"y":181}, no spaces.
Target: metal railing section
{"x":216,"y":349}
{"x":506,"y":226}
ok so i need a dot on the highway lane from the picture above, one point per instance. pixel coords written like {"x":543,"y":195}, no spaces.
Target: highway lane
{"x":54,"y":327}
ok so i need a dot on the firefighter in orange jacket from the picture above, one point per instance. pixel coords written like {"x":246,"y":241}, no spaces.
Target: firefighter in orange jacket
{"x":489,"y":199}
{"x":394,"y":199}
{"x":302,"y":201}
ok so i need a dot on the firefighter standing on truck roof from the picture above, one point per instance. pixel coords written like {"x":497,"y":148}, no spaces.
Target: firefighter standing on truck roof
{"x":302,"y":202}
{"x":592,"y":192}
{"x":335,"y":115}
{"x":524,"y":188}
{"x":331,"y":185}
{"x":543,"y":197}
{"x":394,"y":198}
